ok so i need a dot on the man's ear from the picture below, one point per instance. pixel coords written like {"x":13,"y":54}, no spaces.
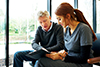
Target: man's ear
{"x":68,"y":16}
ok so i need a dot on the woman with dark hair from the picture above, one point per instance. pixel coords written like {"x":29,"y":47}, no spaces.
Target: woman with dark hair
{"x":78,"y":37}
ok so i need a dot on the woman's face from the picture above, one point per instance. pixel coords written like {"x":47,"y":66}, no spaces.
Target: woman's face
{"x":62,"y":20}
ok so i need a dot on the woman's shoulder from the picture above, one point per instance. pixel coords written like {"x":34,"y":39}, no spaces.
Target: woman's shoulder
{"x":84,"y":26}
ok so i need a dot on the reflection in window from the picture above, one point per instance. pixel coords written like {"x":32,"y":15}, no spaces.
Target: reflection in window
{"x":56,"y":3}
{"x":98,"y":15}
{"x":86,"y":7}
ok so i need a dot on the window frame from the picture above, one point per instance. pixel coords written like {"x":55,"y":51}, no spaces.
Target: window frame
{"x":7,"y":34}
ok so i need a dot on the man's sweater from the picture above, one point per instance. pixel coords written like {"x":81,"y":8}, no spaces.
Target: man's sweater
{"x":52,"y":40}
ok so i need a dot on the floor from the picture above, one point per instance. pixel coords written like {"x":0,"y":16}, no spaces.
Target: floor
{"x":12,"y":49}
{"x":26,"y":64}
{"x":95,"y":66}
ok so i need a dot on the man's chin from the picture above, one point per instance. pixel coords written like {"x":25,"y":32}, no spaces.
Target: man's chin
{"x":45,"y":29}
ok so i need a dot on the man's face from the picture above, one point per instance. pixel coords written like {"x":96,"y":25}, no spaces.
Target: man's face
{"x":45,"y":22}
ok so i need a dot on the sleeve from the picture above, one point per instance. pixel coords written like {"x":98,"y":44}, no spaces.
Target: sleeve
{"x":60,"y":39}
{"x":82,"y":58}
{"x":35,"y":42}
{"x":85,"y":36}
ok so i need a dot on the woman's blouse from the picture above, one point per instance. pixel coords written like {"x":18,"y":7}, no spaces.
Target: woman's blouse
{"x":78,"y":44}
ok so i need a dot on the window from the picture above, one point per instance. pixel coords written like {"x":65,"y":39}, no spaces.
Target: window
{"x":23,"y":23}
{"x":98,"y":15}
{"x":55,"y":3}
{"x":86,"y":7}
{"x":2,"y":31}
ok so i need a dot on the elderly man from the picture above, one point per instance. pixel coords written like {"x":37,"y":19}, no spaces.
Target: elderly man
{"x":49,"y":35}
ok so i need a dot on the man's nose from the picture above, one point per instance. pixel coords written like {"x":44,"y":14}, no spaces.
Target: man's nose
{"x":43,"y":23}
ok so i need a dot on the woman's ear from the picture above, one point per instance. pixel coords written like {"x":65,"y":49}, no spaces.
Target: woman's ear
{"x":68,"y":16}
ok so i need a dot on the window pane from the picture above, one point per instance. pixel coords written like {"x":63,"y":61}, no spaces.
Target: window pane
{"x":23,"y":23}
{"x":2,"y":32}
{"x":98,"y":15}
{"x":55,"y":3}
{"x":86,"y":7}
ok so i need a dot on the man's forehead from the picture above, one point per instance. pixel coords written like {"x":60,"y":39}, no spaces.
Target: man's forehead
{"x":42,"y":18}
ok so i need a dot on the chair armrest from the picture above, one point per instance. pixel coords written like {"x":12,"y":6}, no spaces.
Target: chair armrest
{"x":93,"y":60}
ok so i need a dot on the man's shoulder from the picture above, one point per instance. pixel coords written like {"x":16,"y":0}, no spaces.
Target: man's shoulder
{"x":56,"y":24}
{"x":39,"y":27}
{"x":57,"y":27}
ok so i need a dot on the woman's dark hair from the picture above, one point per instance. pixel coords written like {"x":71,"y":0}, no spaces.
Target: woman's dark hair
{"x":65,"y":8}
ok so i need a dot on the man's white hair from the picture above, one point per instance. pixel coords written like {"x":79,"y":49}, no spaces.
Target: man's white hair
{"x":42,"y":13}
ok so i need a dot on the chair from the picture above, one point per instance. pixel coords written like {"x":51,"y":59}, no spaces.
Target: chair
{"x":96,"y":49}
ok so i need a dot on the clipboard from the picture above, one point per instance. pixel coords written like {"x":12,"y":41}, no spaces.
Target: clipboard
{"x":37,"y":54}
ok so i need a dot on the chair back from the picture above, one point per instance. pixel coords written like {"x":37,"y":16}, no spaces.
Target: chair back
{"x":96,"y":46}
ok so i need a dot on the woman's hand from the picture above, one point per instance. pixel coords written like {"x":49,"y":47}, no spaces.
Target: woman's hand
{"x":57,"y":55}
{"x":63,"y":53}
{"x":54,"y":56}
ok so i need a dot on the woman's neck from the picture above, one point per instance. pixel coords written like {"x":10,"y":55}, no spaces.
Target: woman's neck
{"x":73,"y":25}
